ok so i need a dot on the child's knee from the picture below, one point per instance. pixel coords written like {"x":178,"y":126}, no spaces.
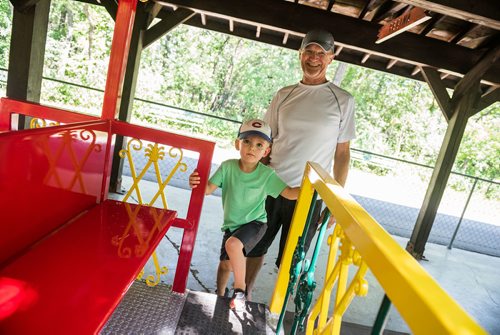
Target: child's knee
{"x":233,"y":244}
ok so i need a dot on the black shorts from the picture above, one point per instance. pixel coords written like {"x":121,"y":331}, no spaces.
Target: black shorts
{"x":249,"y":234}
{"x":279,"y":215}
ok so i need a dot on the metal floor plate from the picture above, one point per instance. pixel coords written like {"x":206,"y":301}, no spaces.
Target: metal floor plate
{"x":146,"y":310}
{"x":206,"y":313}
{"x":158,"y":310}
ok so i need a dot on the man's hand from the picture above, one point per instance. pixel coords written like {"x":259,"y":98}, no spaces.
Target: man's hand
{"x":331,"y":220}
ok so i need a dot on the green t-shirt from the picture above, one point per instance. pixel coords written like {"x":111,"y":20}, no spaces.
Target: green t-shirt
{"x":244,"y":194}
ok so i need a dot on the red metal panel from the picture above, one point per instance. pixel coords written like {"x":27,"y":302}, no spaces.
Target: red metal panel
{"x":47,"y":176}
{"x":75,"y":291}
{"x":190,"y":224}
{"x":10,"y":106}
{"x":108,"y":162}
{"x":118,"y":57}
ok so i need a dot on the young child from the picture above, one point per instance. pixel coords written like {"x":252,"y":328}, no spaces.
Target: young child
{"x":245,"y":184}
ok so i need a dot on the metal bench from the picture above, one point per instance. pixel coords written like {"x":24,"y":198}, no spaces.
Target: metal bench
{"x":64,"y":264}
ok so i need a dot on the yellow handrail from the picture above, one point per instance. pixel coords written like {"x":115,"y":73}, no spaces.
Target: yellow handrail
{"x":422,"y":303}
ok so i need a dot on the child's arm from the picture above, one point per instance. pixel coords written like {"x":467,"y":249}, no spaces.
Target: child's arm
{"x":194,"y":181}
{"x":290,"y":193}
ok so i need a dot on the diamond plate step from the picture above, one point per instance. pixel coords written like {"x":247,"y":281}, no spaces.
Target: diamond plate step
{"x":158,"y":310}
{"x":206,"y":313}
{"x":146,"y":310}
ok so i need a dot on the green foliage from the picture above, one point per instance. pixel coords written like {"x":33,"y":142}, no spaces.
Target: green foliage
{"x":214,"y":73}
{"x":77,"y":51}
{"x":5,"y":28}
{"x":395,"y":116}
{"x":479,"y":152}
{"x":233,"y":78}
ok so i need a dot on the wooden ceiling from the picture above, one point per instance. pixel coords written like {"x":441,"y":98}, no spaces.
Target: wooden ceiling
{"x":461,"y":36}
{"x":455,"y":38}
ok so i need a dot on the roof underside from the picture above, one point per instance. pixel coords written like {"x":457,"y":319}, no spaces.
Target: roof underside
{"x":456,"y":37}
{"x":452,"y":41}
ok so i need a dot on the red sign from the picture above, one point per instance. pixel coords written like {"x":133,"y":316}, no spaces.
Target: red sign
{"x":402,"y":23}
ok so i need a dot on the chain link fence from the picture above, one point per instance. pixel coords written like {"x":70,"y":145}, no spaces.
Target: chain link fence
{"x":390,"y":189}
{"x":467,"y":218}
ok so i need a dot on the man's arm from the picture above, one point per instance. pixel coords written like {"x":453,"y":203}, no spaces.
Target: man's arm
{"x":341,"y":162}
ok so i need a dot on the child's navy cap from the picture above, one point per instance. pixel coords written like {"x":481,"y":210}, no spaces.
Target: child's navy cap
{"x":255,"y":127}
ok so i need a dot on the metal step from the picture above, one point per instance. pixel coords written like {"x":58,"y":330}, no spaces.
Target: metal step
{"x":146,"y":310}
{"x":158,"y":310}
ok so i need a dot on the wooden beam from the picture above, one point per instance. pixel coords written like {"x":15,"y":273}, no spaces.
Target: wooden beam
{"x":438,"y":89}
{"x":477,"y":72}
{"x":467,"y":28}
{"x":372,"y":8}
{"x":167,"y":23}
{"x":388,"y":10}
{"x":488,"y":99}
{"x":23,"y":5}
{"x":330,"y":5}
{"x":351,"y":32}
{"x":368,"y":6}
{"x":441,"y":173}
{"x":111,"y":7}
{"x":430,"y":23}
{"x":483,"y":12}
{"x":153,"y":9}
{"x":391,"y":63}
{"x":27,"y":52}
{"x":249,"y":32}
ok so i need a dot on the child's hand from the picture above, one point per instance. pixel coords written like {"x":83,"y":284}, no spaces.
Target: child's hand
{"x":194,"y":179}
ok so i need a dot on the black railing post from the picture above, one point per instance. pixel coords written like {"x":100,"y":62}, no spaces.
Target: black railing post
{"x":383,"y":313}
{"x":463,"y":212}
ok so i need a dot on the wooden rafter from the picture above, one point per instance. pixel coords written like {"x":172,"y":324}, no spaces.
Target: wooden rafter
{"x":438,"y":89}
{"x":429,"y":25}
{"x":488,"y":99}
{"x":388,"y":10}
{"x":486,"y":12}
{"x":166,"y":24}
{"x":464,"y":31}
{"x":354,"y":33}
{"x":23,"y":5}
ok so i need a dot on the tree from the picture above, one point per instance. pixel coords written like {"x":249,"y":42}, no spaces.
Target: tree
{"x":235,"y":79}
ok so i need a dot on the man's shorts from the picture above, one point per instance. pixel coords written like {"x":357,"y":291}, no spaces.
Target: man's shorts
{"x":249,"y":234}
{"x":279,"y":215}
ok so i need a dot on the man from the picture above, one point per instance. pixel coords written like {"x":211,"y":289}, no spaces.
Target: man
{"x":310,"y":121}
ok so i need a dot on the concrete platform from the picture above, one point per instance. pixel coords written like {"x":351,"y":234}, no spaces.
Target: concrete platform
{"x":470,"y":278}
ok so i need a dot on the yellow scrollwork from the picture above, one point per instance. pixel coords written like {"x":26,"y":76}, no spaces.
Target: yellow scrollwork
{"x":151,"y":280}
{"x":342,"y":255}
{"x":41,"y":123}
{"x":155,"y":154}
{"x":76,"y":157}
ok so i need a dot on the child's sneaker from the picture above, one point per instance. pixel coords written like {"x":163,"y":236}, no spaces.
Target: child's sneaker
{"x":238,"y":301}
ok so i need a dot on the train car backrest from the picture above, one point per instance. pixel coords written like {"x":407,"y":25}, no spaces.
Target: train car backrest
{"x":47,"y":177}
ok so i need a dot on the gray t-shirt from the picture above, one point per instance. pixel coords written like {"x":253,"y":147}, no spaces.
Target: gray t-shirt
{"x":307,"y":122}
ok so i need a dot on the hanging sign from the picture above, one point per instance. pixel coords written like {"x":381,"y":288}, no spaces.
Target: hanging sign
{"x":402,"y":23}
